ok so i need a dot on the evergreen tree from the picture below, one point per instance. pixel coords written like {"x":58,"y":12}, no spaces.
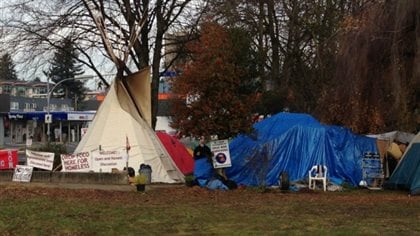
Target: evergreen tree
{"x":7,"y":68}
{"x":65,"y":65}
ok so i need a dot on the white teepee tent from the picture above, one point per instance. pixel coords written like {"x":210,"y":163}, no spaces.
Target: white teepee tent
{"x":120,"y":118}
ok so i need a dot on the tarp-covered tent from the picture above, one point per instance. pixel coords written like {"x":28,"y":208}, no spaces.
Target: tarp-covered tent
{"x":407,"y":173}
{"x":391,"y":147}
{"x":394,"y":136}
{"x":178,"y":152}
{"x":121,"y":118}
{"x":293,"y":143}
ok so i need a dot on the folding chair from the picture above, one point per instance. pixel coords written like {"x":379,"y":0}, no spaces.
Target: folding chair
{"x":318,"y":173}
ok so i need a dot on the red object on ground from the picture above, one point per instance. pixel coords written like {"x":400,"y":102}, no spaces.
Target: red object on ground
{"x":8,"y":159}
{"x":178,"y":152}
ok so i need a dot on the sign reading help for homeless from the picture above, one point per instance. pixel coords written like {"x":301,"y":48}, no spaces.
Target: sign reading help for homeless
{"x":41,"y":160}
{"x":22,"y":173}
{"x":220,"y":149}
{"x":79,"y":162}
{"x":104,"y":161}
{"x":8,"y":159}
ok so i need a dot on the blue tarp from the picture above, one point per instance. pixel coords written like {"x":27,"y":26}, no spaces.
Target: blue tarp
{"x":293,"y":143}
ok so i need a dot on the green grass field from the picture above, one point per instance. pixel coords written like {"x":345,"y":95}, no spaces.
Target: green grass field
{"x":180,"y":210}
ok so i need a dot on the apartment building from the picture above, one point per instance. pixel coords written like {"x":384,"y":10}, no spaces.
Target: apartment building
{"x":23,"y":112}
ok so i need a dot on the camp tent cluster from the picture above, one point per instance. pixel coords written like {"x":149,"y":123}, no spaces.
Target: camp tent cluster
{"x":283,"y":143}
{"x":293,"y":143}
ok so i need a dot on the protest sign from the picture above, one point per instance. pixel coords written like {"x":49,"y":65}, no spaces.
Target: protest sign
{"x":8,"y":159}
{"x":41,"y":160}
{"x":22,"y":173}
{"x":105,"y":161}
{"x":220,"y":149}
{"x":78,"y":162}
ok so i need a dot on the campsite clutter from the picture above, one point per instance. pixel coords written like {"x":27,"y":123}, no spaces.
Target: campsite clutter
{"x":285,"y":144}
{"x":140,"y":182}
{"x":291,"y":144}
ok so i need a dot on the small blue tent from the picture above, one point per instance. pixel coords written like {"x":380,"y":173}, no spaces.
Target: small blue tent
{"x":293,"y":143}
{"x":407,"y":173}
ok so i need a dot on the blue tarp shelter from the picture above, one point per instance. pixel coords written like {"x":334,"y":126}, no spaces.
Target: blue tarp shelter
{"x":293,"y":143}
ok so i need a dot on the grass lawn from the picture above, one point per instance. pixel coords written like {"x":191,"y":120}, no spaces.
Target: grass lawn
{"x":27,"y":210}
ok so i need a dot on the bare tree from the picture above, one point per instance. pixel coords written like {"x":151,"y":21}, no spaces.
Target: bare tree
{"x":125,"y":32}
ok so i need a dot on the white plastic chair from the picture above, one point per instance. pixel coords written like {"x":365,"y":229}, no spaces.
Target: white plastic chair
{"x":318,"y":173}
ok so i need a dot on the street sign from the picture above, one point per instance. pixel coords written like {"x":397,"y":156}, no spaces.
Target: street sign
{"x":48,"y":119}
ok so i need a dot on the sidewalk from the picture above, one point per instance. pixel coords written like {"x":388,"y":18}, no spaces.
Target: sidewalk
{"x":107,"y":187}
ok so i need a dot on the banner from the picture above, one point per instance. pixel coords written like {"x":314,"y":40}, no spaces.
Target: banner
{"x":8,"y":159}
{"x":221,"y":158}
{"x":41,"y":160}
{"x":104,"y":161}
{"x":22,"y":173}
{"x":79,"y":162}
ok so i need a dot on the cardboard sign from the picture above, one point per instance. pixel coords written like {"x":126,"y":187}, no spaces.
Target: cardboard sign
{"x":79,"y":162}
{"x":8,"y":159}
{"x":221,"y":158}
{"x":105,"y":161}
{"x":22,"y":173}
{"x":42,"y":160}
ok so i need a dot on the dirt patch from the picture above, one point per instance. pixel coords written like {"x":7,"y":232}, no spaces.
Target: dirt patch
{"x":167,"y":194}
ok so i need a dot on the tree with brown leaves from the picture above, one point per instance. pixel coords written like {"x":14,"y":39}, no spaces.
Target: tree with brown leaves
{"x":213,"y":101}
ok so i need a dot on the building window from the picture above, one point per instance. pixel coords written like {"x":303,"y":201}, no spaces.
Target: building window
{"x":64,"y":107}
{"x":21,"y":91}
{"x":53,"y":107}
{"x":43,"y":90}
{"x":7,"y":89}
{"x":14,"y":106}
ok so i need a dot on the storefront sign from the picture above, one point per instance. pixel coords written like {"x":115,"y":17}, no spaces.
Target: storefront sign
{"x":80,"y":116}
{"x":8,"y":159}
{"x":42,"y":160}
{"x":15,"y":116}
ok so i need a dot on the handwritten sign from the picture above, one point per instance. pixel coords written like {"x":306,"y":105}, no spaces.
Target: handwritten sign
{"x":221,"y":158}
{"x":8,"y":159}
{"x":22,"y":173}
{"x":105,"y":161}
{"x":42,"y":160}
{"x":78,"y":162}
